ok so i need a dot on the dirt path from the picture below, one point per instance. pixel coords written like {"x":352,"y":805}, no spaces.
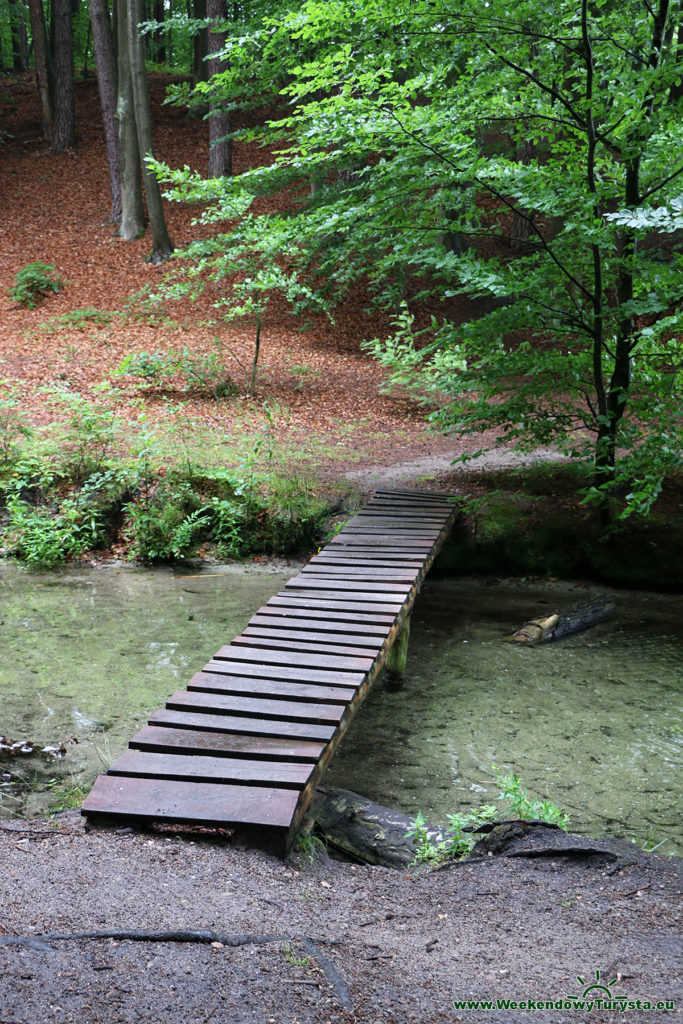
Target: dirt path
{"x":330,"y":943}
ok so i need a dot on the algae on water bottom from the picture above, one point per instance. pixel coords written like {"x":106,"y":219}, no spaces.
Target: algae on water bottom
{"x":88,"y":654}
{"x":592,"y":721}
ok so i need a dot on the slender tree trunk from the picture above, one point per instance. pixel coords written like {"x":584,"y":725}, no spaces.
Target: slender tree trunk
{"x":254,"y":361}
{"x":64,"y":125}
{"x":19,"y":36}
{"x":161,"y":243}
{"x":40,"y":54}
{"x":521,"y":224}
{"x":160,"y":33}
{"x":132,"y":211}
{"x":200,"y":44}
{"x":101,"y":34}
{"x":220,"y":146}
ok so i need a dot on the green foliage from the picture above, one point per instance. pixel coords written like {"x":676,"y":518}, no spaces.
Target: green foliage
{"x":165,"y":522}
{"x":461,"y":833}
{"x":13,"y":423}
{"x":33,"y":282}
{"x":85,"y":440}
{"x":308,"y":849}
{"x":522,"y":806}
{"x":294,"y":958}
{"x":44,"y":536}
{"x":202,"y":371}
{"x":78,"y":319}
{"x":76,"y":485}
{"x":65,"y":795}
{"x":546,"y":130}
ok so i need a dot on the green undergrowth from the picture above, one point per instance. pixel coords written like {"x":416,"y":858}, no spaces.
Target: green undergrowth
{"x":464,"y":828}
{"x":90,"y":482}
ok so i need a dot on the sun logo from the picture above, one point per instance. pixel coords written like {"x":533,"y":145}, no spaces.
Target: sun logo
{"x":593,"y":987}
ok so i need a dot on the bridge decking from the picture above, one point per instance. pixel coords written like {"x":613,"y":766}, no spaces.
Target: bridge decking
{"x":249,"y":739}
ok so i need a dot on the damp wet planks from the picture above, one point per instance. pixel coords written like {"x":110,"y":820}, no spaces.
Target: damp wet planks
{"x":248,"y":740}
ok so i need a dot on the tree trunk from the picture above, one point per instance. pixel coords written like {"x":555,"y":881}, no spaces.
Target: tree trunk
{"x":102,"y":42}
{"x":40,"y":52}
{"x":132,"y":211}
{"x":64,"y":125}
{"x":160,"y":33}
{"x":161,"y":243}
{"x":521,"y":219}
{"x":19,"y":37}
{"x":220,"y":146}
{"x":200,"y":43}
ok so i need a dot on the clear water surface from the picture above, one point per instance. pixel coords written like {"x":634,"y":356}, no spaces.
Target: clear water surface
{"x":592,"y":721}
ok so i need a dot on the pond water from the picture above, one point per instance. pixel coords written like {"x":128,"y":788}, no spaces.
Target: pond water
{"x":592,"y":722}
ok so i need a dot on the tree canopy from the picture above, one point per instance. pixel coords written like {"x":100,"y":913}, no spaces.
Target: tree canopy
{"x":530,"y":158}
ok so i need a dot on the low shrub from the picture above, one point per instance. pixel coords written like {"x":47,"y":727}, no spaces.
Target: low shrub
{"x":33,"y":282}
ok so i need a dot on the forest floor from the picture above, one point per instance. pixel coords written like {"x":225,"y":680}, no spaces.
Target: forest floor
{"x":327,"y":415}
{"x":543,"y":918}
{"x":318,"y":414}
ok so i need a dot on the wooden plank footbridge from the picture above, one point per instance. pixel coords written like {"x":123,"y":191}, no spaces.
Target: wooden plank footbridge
{"x":249,"y":739}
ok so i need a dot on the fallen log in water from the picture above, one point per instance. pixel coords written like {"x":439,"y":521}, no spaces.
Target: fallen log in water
{"x":364,"y":830}
{"x":581,"y":615}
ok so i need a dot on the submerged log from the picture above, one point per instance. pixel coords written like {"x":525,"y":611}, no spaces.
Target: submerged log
{"x":581,"y":615}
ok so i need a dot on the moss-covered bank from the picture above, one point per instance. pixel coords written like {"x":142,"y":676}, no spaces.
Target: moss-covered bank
{"x":531,"y":523}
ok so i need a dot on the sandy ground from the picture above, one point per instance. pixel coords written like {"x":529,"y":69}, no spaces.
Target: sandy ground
{"x":227,"y":932}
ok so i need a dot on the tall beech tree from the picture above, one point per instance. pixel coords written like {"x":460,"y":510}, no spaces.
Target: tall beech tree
{"x":220,"y":143}
{"x":64,"y":120}
{"x":559,"y":122}
{"x":161,"y":243}
{"x":132,"y":209}
{"x":40,"y":54}
{"x":106,"y":82}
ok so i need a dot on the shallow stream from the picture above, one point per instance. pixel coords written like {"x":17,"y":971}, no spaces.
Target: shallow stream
{"x":592,"y":722}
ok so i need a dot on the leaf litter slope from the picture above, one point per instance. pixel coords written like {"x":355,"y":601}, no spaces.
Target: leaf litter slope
{"x":322,"y":387}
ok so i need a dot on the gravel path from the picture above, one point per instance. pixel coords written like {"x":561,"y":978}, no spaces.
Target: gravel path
{"x":105,"y":927}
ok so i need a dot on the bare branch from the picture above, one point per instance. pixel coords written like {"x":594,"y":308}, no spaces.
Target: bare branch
{"x":665,"y":181}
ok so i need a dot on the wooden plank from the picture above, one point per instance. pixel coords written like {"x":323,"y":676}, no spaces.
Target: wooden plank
{"x":352,"y":600}
{"x":194,"y":741}
{"x":327,"y":662}
{"x":320,"y":601}
{"x":205,"y":768}
{"x":235,"y":724}
{"x":397,"y":535}
{"x":256,"y":707}
{"x":392,"y":528}
{"x":411,"y":503}
{"x":406,"y":492}
{"x":284,"y":672}
{"x":320,"y":619}
{"x":395,"y":591}
{"x":346,"y":555}
{"x":203,"y":803}
{"x":215,"y":682}
{"x":308,"y":641}
{"x":296,"y":619}
{"x":402,"y":541}
{"x":387,"y":574}
{"x":410,"y":516}
{"x":285,"y":640}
